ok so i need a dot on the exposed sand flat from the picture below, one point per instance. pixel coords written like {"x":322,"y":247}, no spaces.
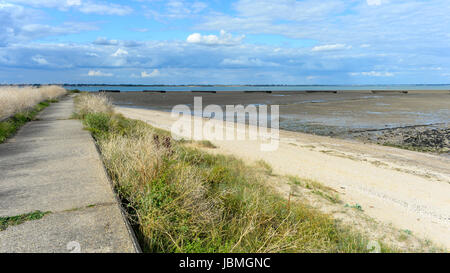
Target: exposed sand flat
{"x":320,"y":113}
{"x":411,"y":190}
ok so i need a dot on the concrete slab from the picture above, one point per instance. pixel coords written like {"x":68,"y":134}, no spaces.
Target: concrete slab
{"x":97,"y":229}
{"x":52,"y":164}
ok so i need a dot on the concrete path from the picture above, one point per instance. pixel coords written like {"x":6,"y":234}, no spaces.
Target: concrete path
{"x":52,"y":164}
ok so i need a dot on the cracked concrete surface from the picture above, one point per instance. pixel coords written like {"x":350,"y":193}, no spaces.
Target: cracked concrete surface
{"x":52,"y":164}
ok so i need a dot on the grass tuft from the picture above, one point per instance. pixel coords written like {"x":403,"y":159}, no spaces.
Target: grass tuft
{"x":316,"y":188}
{"x":206,"y":144}
{"x":265,"y":166}
{"x":355,"y":206}
{"x":10,"y":126}
{"x":5,"y":222}
{"x":90,"y":104}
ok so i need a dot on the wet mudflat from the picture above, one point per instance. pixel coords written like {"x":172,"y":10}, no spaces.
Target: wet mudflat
{"x":417,"y":119}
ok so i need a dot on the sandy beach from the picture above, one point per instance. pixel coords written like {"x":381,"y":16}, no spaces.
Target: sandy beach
{"x":407,"y":189}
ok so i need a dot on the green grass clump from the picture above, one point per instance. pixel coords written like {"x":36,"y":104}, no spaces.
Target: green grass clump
{"x":182,"y":199}
{"x":5,"y":222}
{"x":206,"y":144}
{"x":355,"y":206}
{"x":10,"y":126}
{"x":98,"y":122}
{"x":316,"y":188}
{"x":265,"y":166}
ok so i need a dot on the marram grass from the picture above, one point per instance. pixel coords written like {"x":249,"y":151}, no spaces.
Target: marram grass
{"x":18,"y":105}
{"x":18,"y":99}
{"x":10,"y":126}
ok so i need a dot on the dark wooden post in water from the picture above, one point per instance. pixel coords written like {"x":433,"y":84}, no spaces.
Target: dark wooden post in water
{"x":321,"y":91}
{"x":109,"y":91}
{"x":389,"y":92}
{"x":199,"y":91}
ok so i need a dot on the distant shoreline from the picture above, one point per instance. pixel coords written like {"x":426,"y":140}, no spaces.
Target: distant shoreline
{"x":274,"y":91}
{"x":249,"y":87}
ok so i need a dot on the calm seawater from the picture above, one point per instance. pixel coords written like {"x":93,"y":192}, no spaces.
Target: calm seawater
{"x":262,"y":88}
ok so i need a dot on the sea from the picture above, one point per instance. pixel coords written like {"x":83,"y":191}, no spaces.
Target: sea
{"x":280,"y":88}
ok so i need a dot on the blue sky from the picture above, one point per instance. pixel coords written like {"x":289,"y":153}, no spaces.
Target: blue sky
{"x":225,"y":42}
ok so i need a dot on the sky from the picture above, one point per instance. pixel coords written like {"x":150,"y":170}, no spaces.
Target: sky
{"x":225,"y":42}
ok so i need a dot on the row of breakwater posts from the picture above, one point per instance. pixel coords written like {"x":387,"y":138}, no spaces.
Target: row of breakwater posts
{"x":264,"y":91}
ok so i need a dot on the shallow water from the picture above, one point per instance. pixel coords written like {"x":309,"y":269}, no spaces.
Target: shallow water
{"x":124,"y":88}
{"x":319,"y":113}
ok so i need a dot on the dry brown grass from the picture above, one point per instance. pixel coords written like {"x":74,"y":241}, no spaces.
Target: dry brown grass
{"x":188,"y":201}
{"x":16,"y":99}
{"x":88,"y":103}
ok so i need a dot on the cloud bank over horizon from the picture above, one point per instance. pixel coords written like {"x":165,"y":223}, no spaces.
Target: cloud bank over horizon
{"x":223,"y":42}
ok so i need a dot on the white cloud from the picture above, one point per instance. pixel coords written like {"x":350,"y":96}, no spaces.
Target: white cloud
{"x":431,"y":68}
{"x":154,"y":73}
{"x":98,"y":73}
{"x":245,"y":61}
{"x":375,"y":2}
{"x":39,"y":60}
{"x":347,"y":22}
{"x":73,"y":2}
{"x":104,"y":41}
{"x":59,"y":4}
{"x":177,"y":9}
{"x":131,"y":43}
{"x":330,"y":47}
{"x":141,"y":30}
{"x":91,"y":54}
{"x":120,"y":53}
{"x":198,"y":7}
{"x":19,"y":24}
{"x":82,"y":6}
{"x":287,"y":9}
{"x":223,"y":39}
{"x":39,"y":30}
{"x":373,"y":74}
{"x":109,"y":9}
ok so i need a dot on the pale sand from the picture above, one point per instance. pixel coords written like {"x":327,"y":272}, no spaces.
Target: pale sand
{"x":409,"y":189}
